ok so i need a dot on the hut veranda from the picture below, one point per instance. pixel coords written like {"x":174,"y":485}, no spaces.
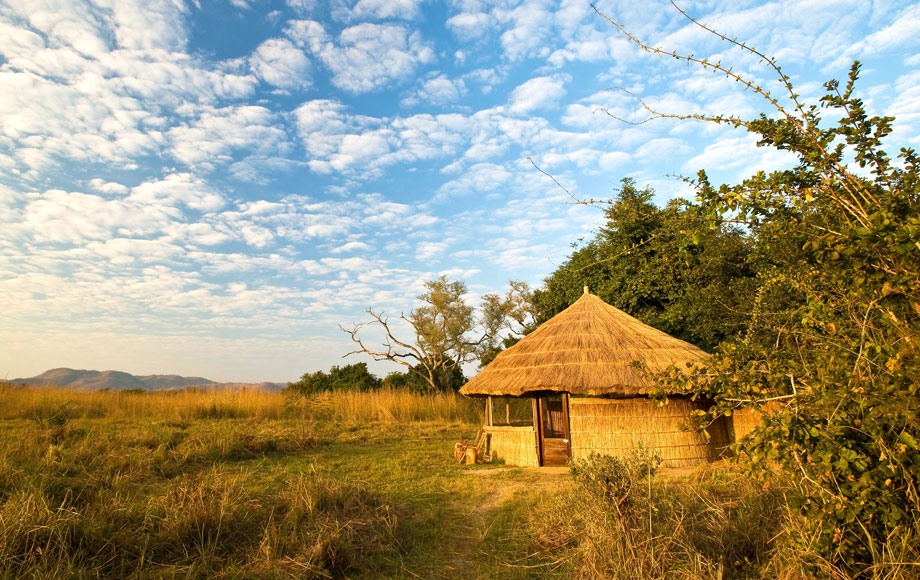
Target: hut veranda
{"x":573,"y":387}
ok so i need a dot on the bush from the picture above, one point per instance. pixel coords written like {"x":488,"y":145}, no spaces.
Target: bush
{"x":353,"y":377}
{"x":621,"y":520}
{"x":610,"y":480}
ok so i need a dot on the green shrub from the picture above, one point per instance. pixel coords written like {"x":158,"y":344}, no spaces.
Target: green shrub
{"x":622,"y":521}
{"x":610,"y":479}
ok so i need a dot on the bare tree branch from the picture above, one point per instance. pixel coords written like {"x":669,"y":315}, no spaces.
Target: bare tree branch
{"x":441,"y":326}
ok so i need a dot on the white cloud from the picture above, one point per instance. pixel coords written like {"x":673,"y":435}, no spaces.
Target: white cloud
{"x":741,"y":155}
{"x":111,"y":187}
{"x":904,"y":30}
{"x":16,"y":42}
{"x":278,"y":62}
{"x":427,"y":251}
{"x":302,"y":8}
{"x":147,"y":24}
{"x":122,"y":251}
{"x":537,"y":93}
{"x":529,"y":30}
{"x":381,"y":10}
{"x":662,"y":147}
{"x":479,"y":178}
{"x":178,"y":188}
{"x":614,"y":160}
{"x":526,"y":26}
{"x":216,"y":136}
{"x":117,"y":68}
{"x":439,"y":90}
{"x":73,"y":217}
{"x":337,"y":141}
{"x":487,"y":77}
{"x":352,"y":247}
{"x":469,"y":25}
{"x":364,"y":57}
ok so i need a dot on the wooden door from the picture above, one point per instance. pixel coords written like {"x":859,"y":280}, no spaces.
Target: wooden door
{"x":553,"y":425}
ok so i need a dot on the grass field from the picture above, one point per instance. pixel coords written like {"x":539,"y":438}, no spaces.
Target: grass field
{"x":251,"y":485}
{"x":254,"y":485}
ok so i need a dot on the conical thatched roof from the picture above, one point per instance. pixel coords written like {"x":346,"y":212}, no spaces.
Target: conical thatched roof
{"x":587,"y":349}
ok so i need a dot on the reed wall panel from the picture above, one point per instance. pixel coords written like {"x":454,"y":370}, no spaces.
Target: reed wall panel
{"x":619,"y":426}
{"x":745,"y":420}
{"x":514,"y":445}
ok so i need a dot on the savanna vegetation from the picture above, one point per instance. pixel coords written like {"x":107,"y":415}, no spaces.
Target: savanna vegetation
{"x":804,"y":283}
{"x":341,"y":485}
{"x":228,"y":484}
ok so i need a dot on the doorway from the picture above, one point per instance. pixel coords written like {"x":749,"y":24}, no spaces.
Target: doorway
{"x":553,"y":429}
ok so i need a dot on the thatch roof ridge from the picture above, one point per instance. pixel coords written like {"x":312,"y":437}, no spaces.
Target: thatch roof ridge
{"x":588,"y":349}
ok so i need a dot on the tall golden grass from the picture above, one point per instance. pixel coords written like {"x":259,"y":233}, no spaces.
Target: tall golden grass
{"x":156,"y":484}
{"x":388,"y":405}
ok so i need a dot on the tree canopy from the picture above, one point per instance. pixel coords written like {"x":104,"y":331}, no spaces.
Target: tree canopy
{"x":447,"y":332}
{"x":830,"y":351}
{"x":353,"y":377}
{"x":666,"y":266}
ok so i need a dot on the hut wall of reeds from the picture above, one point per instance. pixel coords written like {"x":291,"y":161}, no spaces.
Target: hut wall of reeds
{"x":513,"y":445}
{"x":746,"y":419}
{"x":620,"y":426}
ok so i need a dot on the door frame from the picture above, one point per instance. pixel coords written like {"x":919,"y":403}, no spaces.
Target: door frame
{"x":538,"y":404}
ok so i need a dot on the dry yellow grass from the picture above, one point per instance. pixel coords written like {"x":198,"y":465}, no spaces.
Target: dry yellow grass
{"x":389,"y":405}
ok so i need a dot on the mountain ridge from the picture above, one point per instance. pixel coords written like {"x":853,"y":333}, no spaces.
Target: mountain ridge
{"x":92,"y":380}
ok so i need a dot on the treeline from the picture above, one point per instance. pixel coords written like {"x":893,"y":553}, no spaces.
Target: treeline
{"x":670,"y":267}
{"x":357,"y":377}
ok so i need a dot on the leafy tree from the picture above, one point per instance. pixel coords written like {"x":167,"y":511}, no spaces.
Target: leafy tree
{"x":831,"y":350}
{"x":665,"y":266}
{"x":446,"y":330}
{"x":511,"y":316}
{"x":354,"y":377}
{"x":446,"y":380}
{"x":833,"y":339}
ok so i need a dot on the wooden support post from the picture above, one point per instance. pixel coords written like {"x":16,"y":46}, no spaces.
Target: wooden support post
{"x":566,"y":422}
{"x":489,"y":411}
{"x":537,"y":430}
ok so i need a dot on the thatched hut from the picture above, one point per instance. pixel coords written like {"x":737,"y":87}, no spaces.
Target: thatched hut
{"x":578,"y":385}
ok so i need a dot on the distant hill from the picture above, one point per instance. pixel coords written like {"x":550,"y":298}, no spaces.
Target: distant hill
{"x":120,"y":381}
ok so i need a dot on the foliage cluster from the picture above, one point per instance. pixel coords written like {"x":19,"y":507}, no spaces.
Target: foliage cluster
{"x":357,"y":378}
{"x":445,"y":380}
{"x":611,"y":479}
{"x":354,"y":377}
{"x":665,"y":266}
{"x":447,"y":332}
{"x":833,"y":337}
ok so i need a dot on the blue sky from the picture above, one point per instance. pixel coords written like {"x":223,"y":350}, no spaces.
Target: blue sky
{"x":212,"y":188}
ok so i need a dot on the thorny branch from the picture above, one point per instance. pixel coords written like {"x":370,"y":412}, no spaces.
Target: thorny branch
{"x":851,"y":184}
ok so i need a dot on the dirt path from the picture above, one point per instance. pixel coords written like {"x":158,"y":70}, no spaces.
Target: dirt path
{"x":488,"y":515}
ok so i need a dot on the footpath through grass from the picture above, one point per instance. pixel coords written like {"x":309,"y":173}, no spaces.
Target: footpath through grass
{"x":461,"y":521}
